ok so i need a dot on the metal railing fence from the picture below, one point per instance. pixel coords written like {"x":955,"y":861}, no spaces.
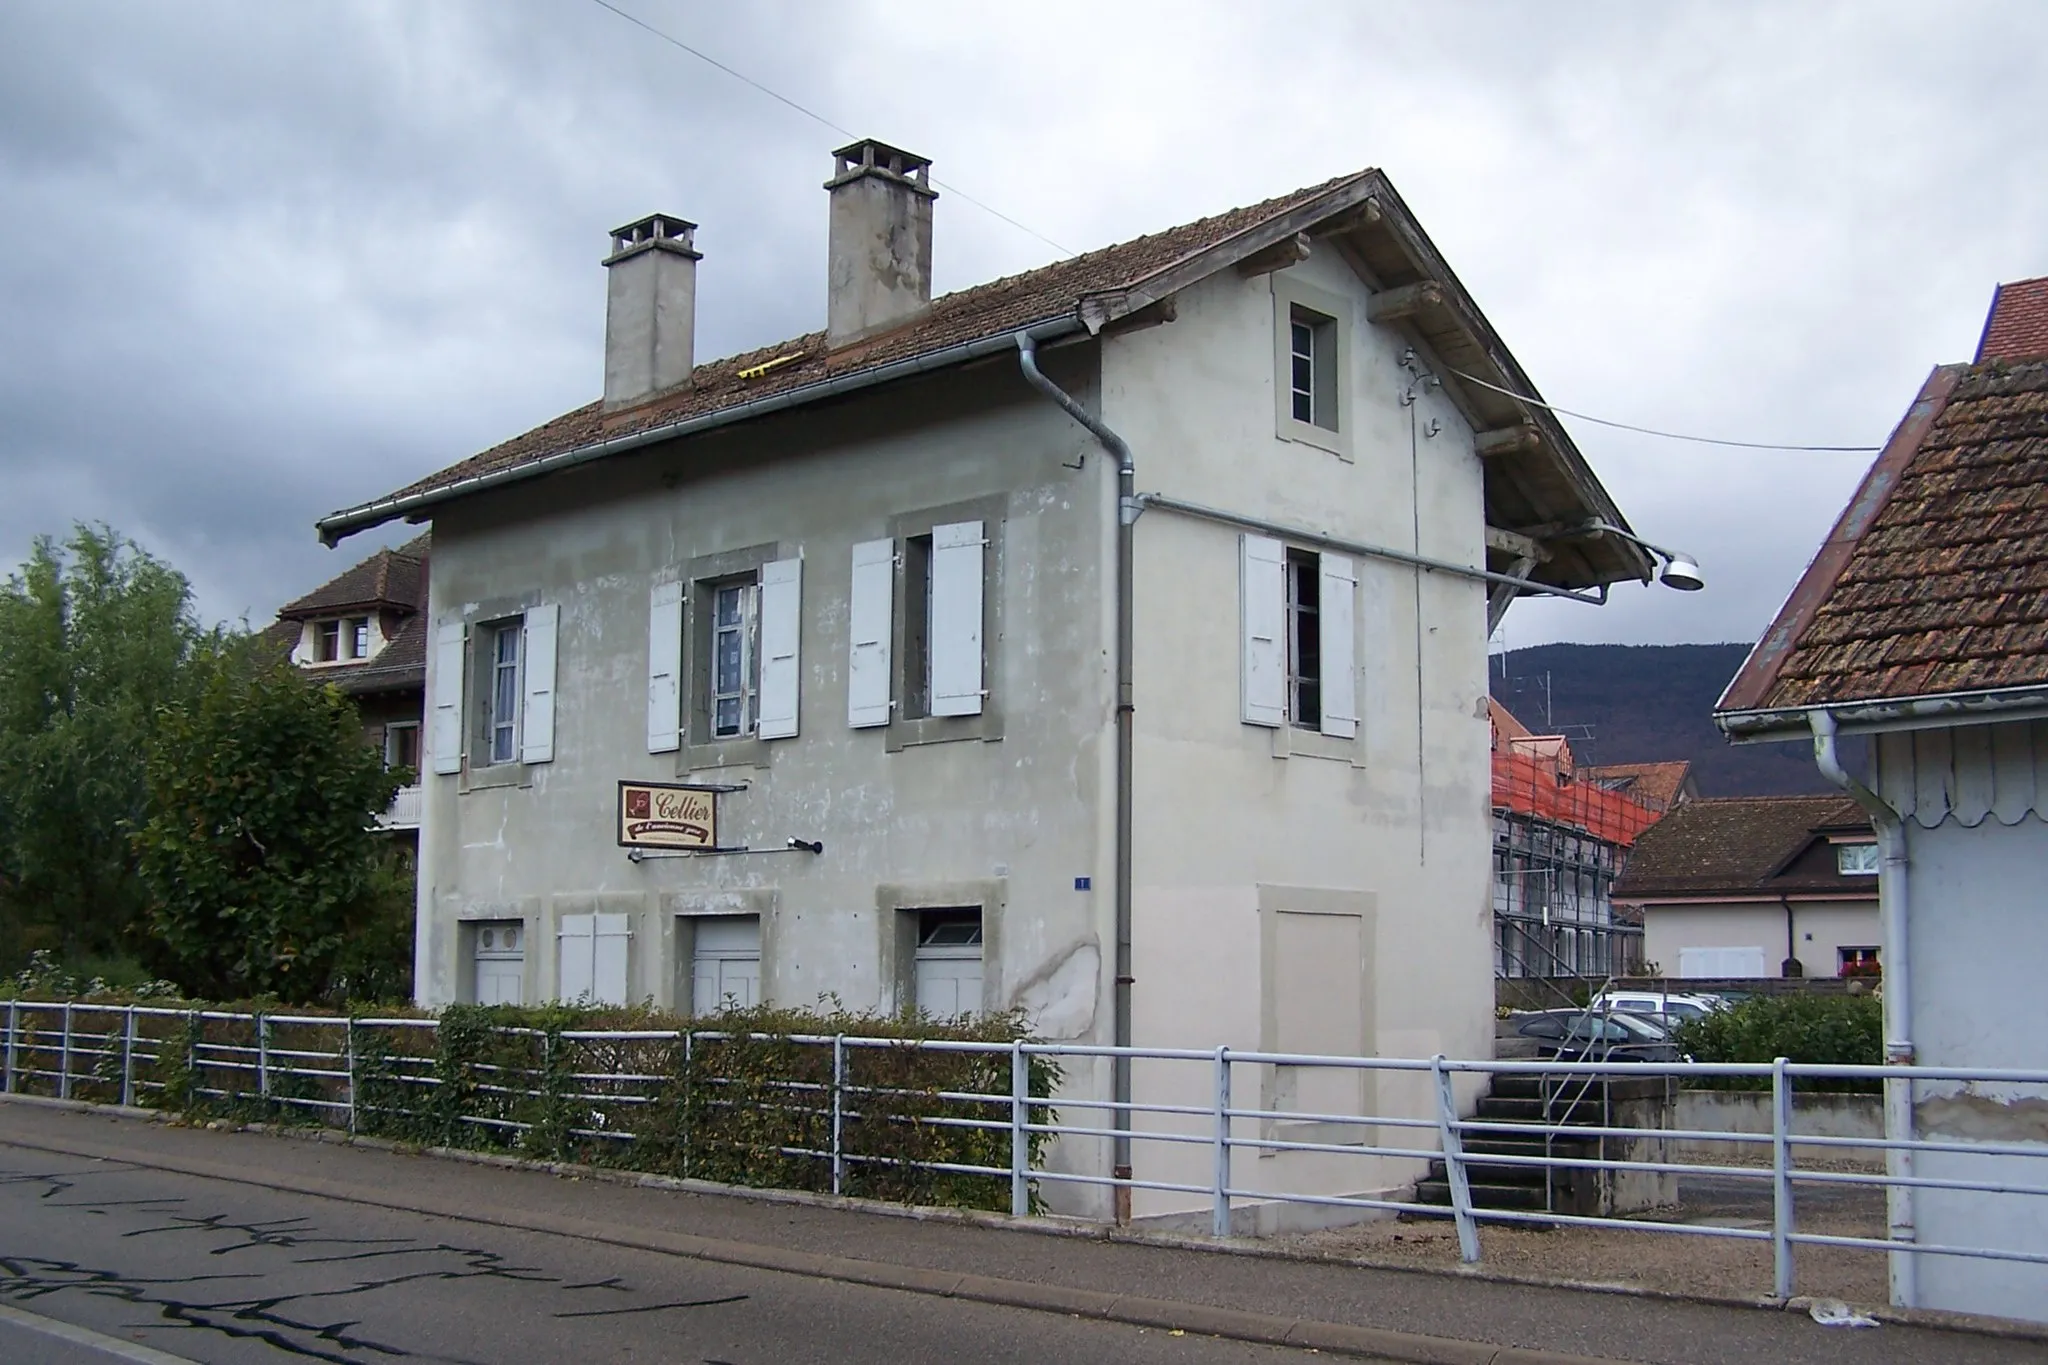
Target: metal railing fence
{"x":615,"y":1094}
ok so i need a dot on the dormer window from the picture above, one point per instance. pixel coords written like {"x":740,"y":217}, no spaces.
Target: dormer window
{"x":326,"y":642}
{"x":1856,"y":860}
{"x":358,"y":631}
{"x":343,"y":640}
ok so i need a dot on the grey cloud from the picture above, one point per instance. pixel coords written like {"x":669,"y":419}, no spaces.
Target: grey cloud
{"x":264,"y":261}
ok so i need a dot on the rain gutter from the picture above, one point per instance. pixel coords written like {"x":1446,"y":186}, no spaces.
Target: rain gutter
{"x":1128,"y":507}
{"x":1897,"y":998}
{"x":337,"y":525}
{"x":1904,"y":713}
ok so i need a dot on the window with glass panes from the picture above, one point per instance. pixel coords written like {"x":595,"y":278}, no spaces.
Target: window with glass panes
{"x":359,"y":637}
{"x":1312,"y":368}
{"x":1304,"y":639}
{"x":735,"y":612}
{"x":503,"y":721}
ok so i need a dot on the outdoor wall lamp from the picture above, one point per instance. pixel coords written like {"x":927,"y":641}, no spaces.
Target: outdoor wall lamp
{"x":1681,"y":571}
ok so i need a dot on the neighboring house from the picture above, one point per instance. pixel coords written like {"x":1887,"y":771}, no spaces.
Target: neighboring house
{"x":1660,"y":786}
{"x":1107,"y":643}
{"x":1559,"y":840}
{"x":365,"y":632}
{"x":1922,"y":624}
{"x":1748,"y":886}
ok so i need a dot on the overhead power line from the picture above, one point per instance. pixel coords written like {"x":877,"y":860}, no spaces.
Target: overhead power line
{"x":1651,"y":431}
{"x":817,"y":117}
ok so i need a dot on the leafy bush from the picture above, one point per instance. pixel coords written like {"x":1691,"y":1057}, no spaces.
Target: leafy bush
{"x":1823,"y":1030}
{"x":740,"y":1102}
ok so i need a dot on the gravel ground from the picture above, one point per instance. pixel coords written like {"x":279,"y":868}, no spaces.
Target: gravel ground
{"x":1665,"y":1261}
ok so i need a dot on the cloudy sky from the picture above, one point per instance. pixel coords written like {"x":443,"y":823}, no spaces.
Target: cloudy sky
{"x":262,"y":261}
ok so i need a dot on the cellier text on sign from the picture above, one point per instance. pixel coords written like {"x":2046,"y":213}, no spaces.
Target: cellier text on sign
{"x":666,"y":815}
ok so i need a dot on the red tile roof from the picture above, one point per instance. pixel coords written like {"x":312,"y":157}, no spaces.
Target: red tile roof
{"x":1935,"y":579}
{"x":2017,"y":326}
{"x":1656,"y":784}
{"x":987,"y":310}
{"x":1740,"y":845}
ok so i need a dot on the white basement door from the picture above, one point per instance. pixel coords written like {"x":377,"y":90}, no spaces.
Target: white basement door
{"x":500,"y":963}
{"x":948,"y":965}
{"x":592,"y":964}
{"x":725,"y":963}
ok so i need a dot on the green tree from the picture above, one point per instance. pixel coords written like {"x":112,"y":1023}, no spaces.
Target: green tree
{"x":265,"y":874}
{"x":95,"y":639}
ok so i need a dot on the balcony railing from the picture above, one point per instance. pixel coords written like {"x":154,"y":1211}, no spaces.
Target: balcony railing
{"x":404,"y":812}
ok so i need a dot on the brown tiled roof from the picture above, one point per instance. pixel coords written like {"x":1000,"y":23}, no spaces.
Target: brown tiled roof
{"x":2017,"y":326}
{"x":389,"y":578}
{"x":1738,"y":845}
{"x":1658,"y":784}
{"x":1935,"y":580}
{"x":987,"y":310}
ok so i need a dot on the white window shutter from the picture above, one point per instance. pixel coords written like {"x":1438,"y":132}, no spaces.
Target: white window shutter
{"x":955,"y":644}
{"x":869,"y":618}
{"x":782,"y":619}
{"x":1337,"y":613}
{"x":664,"y":668}
{"x":1262,"y":613}
{"x":576,"y":957}
{"x":610,"y":937}
{"x":444,"y":734}
{"x":537,"y":718}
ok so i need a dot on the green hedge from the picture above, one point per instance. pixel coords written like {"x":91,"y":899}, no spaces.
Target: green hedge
{"x":752,"y":1107}
{"x":1824,"y":1030}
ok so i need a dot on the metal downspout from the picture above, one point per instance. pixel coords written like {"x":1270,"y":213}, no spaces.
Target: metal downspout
{"x":1128,"y":508}
{"x":1898,"y":1000}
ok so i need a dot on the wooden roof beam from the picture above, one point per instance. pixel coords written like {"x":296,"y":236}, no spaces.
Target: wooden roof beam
{"x":1283,"y":253}
{"x":1396,"y":305}
{"x":1507,"y":441}
{"x":1516,"y":544}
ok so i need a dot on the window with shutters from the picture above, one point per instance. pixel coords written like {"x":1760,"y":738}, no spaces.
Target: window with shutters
{"x":1298,"y":626}
{"x":741,"y":646}
{"x":491,"y":695}
{"x":928,"y":679}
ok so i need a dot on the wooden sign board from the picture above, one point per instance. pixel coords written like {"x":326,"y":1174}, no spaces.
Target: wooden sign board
{"x":667,"y":815}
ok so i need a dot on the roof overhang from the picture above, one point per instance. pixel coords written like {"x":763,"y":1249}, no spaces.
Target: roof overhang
{"x":1931,"y":712}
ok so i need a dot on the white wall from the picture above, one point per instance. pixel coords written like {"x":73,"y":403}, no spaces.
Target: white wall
{"x":1261,"y":853}
{"x":1821,"y":928}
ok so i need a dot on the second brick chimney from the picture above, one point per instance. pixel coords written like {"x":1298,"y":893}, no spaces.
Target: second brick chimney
{"x":880,"y":254}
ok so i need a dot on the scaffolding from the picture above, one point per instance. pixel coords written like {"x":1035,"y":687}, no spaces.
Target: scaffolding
{"x":1558,"y":845}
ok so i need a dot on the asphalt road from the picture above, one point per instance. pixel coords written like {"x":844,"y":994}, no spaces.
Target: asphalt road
{"x":223,"y":1273}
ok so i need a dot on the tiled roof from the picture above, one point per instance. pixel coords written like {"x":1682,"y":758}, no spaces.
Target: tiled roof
{"x":400,"y":666}
{"x":1738,"y":844}
{"x":389,"y":578}
{"x":1935,"y":580}
{"x":1658,"y":784}
{"x":1505,"y":726}
{"x":987,"y":310}
{"x":2017,"y":326}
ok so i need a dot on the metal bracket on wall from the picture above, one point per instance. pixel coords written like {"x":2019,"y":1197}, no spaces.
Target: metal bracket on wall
{"x":795,"y":845}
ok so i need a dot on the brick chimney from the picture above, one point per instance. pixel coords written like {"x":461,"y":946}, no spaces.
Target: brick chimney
{"x":650,"y":316}
{"x":880,"y":255}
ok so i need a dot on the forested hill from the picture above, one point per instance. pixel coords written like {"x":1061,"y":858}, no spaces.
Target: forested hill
{"x":1645,"y":704}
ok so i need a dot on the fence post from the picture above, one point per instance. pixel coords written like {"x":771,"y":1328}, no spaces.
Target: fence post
{"x":13,"y":1032}
{"x":838,"y":1075}
{"x":1454,"y":1162}
{"x":192,"y":1085}
{"x":349,"y":1043}
{"x":263,"y":1054}
{"x":1219,"y":1216}
{"x":1781,"y":1181}
{"x":128,"y":1059}
{"x":689,"y":1087}
{"x":1020,"y":1137}
{"x":64,"y":1058}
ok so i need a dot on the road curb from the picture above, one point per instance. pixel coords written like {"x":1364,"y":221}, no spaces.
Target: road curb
{"x":1047,"y":1298}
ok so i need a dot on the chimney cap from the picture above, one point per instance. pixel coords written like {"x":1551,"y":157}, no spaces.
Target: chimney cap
{"x":870,"y":156}
{"x":655,"y":232}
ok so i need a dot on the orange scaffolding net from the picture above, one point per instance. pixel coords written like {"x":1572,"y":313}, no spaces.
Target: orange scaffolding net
{"x":1545,"y":788}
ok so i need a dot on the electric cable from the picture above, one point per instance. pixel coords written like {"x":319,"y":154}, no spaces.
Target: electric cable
{"x":1650,"y":431}
{"x":817,"y":117}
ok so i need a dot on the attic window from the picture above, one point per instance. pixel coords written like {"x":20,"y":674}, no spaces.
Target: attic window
{"x":1312,"y":367}
{"x":357,"y":630}
{"x":1856,"y":860}
{"x":326,"y":642}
